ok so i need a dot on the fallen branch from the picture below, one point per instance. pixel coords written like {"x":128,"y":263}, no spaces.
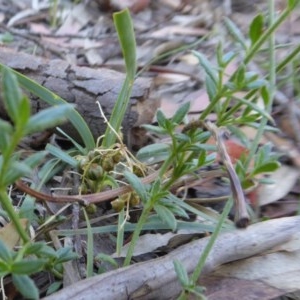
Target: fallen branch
{"x":156,"y":279}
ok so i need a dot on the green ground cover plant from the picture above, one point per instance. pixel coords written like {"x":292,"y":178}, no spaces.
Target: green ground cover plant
{"x":186,"y":154}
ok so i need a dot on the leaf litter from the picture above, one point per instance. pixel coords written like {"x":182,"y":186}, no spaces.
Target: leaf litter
{"x":83,"y":33}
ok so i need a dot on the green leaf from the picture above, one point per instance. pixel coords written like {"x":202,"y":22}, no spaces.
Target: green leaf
{"x":16,"y":170}
{"x":201,"y":158}
{"x":240,"y":76}
{"x":137,"y":185}
{"x":153,"y":153}
{"x":106,"y":258}
{"x":173,"y":207}
{"x":161,"y":118}
{"x":236,"y":33}
{"x":27,"y":267}
{"x":5,"y":253}
{"x":166,"y":216}
{"x":24,"y":112}
{"x":124,"y":27}
{"x":62,"y":155}
{"x":266,"y":168}
{"x":90,"y":247}
{"x":256,"y":28}
{"x":155,"y":129}
{"x":182,"y":137}
{"x":256,"y":108}
{"x":181,"y":113}
{"x":52,"y":99}
{"x":12,"y":95}
{"x":35,"y":159}
{"x":207,"y":66}
{"x":77,"y":146}
{"x":54,"y":287}
{"x":48,"y":118}
{"x":5,"y":135}
{"x":33,"y":248}
{"x":211,"y":88}
{"x":219,"y":53}
{"x":125,"y":30}
{"x":228,"y":57}
{"x":49,"y":252}
{"x":292,"y":4}
{"x":65,"y":254}
{"x":4,"y":268}
{"x":251,"y":76}
{"x":25,"y":285}
{"x":265,"y":95}
{"x":247,"y":183}
{"x":5,"y":127}
{"x":256,"y":84}
{"x":181,"y":273}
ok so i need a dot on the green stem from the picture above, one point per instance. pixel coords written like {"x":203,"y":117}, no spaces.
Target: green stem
{"x":272,"y":82}
{"x":266,"y":35}
{"x":288,"y":59}
{"x":210,"y":107}
{"x":136,"y":233}
{"x":208,"y":247}
{"x":228,"y":114}
{"x":4,"y":199}
{"x":7,"y":206}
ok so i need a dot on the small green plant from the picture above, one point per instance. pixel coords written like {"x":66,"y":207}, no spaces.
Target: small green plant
{"x":31,"y":257}
{"x":100,"y":164}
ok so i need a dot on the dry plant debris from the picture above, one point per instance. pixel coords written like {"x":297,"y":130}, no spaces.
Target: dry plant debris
{"x":71,"y":48}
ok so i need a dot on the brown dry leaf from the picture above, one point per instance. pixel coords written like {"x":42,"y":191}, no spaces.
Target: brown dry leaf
{"x":178,"y":30}
{"x":77,"y":18}
{"x":134,"y":5}
{"x":198,"y":99}
{"x":167,"y":78}
{"x":9,"y":234}
{"x":148,"y":243}
{"x":287,"y":207}
{"x":24,"y":14}
{"x":284,"y":179}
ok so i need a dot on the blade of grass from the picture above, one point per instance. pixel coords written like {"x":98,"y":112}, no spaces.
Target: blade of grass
{"x":90,"y":246}
{"x":120,"y":236}
{"x":124,"y":27}
{"x":272,"y":73}
{"x":211,"y":242}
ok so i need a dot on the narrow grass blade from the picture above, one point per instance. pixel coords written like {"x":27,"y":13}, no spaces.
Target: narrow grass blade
{"x":124,"y":27}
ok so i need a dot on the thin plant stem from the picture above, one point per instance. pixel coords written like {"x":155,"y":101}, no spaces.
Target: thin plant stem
{"x":269,"y":32}
{"x":272,"y":83}
{"x":288,"y":59}
{"x":7,"y":206}
{"x":211,"y":242}
{"x":4,"y":198}
{"x":136,"y":234}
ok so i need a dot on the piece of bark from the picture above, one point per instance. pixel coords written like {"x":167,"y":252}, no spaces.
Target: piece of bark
{"x":156,"y":279}
{"x":83,"y":86}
